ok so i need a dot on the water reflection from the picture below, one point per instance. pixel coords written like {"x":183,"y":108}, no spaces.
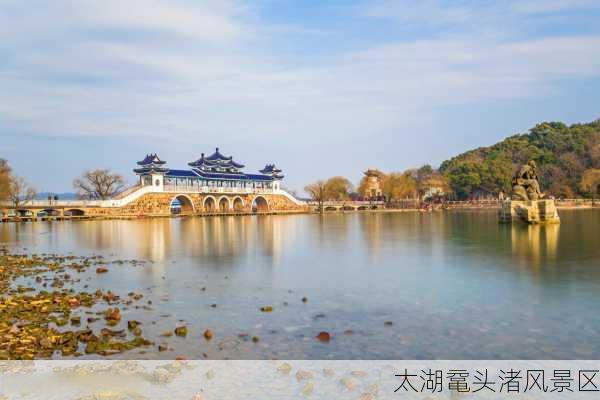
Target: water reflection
{"x":535,"y":245}
{"x":219,"y":239}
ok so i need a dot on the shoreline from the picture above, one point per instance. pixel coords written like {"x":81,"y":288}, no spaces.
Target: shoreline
{"x":473,"y":207}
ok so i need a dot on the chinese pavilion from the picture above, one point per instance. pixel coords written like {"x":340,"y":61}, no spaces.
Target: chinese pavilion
{"x":208,"y":172}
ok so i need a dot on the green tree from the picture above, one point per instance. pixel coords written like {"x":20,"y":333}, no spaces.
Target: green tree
{"x":561,"y":152}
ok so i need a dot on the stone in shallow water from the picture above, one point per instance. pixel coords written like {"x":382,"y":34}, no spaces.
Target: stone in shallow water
{"x":324,"y":337}
{"x":181,"y":331}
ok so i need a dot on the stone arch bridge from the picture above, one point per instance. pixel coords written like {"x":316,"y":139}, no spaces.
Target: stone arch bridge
{"x":348,"y":205}
{"x":143,"y":202}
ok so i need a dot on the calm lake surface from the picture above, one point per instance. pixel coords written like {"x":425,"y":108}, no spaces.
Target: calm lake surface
{"x":455,"y":285}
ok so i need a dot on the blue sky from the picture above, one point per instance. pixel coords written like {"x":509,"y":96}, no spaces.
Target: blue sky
{"x":321,"y":88}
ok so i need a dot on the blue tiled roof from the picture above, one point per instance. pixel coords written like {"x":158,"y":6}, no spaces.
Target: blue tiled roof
{"x":215,"y":160}
{"x":270,"y":168}
{"x":181,"y":173}
{"x":151,"y":159}
{"x":217,"y":156}
{"x":234,"y":176}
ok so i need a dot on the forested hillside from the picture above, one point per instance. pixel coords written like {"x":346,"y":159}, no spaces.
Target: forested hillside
{"x":568,"y":159}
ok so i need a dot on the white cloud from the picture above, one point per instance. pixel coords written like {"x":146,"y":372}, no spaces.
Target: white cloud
{"x":549,"y":6}
{"x":211,"y":74}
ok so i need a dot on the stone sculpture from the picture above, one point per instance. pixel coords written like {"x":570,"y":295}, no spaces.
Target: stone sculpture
{"x":526,"y":184}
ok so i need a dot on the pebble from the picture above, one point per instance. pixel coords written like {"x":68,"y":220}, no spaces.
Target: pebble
{"x":302,"y":375}
{"x":181,"y":331}
{"x":328,"y":372}
{"x":373,"y":389}
{"x":348,"y":383}
{"x":208,"y":334}
{"x":284,"y":368}
{"x":308,"y":389}
{"x":101,"y":270}
{"x":210,"y":374}
{"x":359,"y":374}
{"x":324,"y":337}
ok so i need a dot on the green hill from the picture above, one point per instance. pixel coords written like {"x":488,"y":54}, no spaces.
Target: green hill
{"x":568,"y":158}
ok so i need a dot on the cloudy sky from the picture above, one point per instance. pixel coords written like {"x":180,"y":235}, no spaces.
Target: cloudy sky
{"x":321,"y":88}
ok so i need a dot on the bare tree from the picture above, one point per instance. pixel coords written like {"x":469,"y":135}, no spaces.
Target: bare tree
{"x":98,"y":184}
{"x":317,"y":193}
{"x":4,"y":179}
{"x":19,"y":191}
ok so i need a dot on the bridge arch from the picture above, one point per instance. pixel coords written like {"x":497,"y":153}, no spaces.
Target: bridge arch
{"x":348,"y":208}
{"x":331,"y":208}
{"x":75,"y":212}
{"x":224,"y":204}
{"x":48,"y":212}
{"x":209,"y":204}
{"x":238,"y":204}
{"x":260,"y":204}
{"x":181,"y":204}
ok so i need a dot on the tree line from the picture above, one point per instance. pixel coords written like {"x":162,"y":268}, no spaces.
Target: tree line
{"x":98,"y":184}
{"x":568,"y":159}
{"x":414,"y":184}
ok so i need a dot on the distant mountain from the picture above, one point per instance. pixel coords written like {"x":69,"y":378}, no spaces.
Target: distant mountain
{"x":61,"y":196}
{"x":568,"y":159}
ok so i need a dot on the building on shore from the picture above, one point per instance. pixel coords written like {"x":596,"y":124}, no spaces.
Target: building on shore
{"x":373,"y":186}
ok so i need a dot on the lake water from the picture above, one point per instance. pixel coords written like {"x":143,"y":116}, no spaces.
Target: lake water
{"x":454,"y":285}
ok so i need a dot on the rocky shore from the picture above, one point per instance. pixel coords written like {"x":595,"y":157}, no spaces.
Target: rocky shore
{"x":41,"y":314}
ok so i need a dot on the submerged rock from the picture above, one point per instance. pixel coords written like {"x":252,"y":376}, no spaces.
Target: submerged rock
{"x":181,"y":331}
{"x":324,"y":337}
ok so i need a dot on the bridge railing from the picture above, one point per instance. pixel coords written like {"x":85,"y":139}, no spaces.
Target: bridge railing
{"x":53,"y":203}
{"x":346,"y":203}
{"x":214,"y":190}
